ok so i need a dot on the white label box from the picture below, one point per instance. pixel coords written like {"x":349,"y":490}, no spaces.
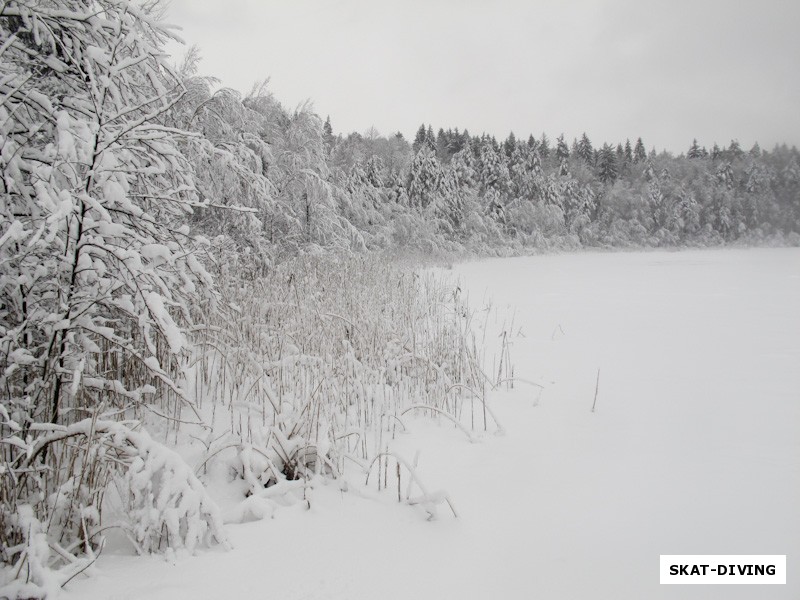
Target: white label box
{"x":730,"y":569}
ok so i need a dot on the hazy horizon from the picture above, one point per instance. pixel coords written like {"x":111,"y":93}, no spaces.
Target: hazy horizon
{"x":615,"y":69}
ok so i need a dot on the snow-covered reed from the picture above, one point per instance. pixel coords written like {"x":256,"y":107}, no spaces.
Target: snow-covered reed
{"x":316,"y":364}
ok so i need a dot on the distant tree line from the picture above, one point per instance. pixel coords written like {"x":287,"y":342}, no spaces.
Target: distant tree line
{"x":516,"y":194}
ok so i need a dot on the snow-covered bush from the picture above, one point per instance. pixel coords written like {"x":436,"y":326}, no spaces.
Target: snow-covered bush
{"x":165,"y":504}
{"x":99,"y":274}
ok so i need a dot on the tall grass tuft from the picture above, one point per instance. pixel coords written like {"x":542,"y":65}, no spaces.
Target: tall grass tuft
{"x":317,"y":365}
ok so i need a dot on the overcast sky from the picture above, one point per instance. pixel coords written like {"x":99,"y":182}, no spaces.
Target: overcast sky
{"x":668,"y":71}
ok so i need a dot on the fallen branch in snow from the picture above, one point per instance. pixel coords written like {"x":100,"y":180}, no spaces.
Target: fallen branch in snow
{"x":515,"y":379}
{"x":427,"y":500}
{"x":596,"y":387}
{"x":447,"y":416}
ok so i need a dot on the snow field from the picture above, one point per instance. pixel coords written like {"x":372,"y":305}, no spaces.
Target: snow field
{"x":695,"y":443}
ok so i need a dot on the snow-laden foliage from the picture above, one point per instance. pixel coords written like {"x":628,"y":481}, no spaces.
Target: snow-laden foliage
{"x":261,"y":172}
{"x":98,"y":271}
{"x":99,"y":274}
{"x":165,"y":504}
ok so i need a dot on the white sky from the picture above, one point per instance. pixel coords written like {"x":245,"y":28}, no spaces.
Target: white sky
{"x":666,"y":70}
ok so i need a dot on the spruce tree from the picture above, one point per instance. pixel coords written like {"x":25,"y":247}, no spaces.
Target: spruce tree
{"x":455,"y":142}
{"x":694,"y":151}
{"x":374,"y":171}
{"x":442,"y":143}
{"x":419,"y":139}
{"x":327,"y":134}
{"x":510,"y":145}
{"x":735,"y":150}
{"x":430,"y":138}
{"x":526,"y":173}
{"x":544,"y":146}
{"x":562,"y":149}
{"x":628,"y":152}
{"x":465,"y":140}
{"x":607,"y":164}
{"x":689,"y":214}
{"x":639,"y":153}
{"x":463,"y":166}
{"x":493,"y":169}
{"x":724,"y":175}
{"x":585,"y":150}
{"x":425,"y":178}
{"x":452,"y":206}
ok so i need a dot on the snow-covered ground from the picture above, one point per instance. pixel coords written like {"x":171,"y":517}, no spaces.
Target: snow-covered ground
{"x":694,"y":448}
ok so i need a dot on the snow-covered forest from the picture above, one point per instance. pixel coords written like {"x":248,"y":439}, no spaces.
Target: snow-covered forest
{"x":196,"y":284}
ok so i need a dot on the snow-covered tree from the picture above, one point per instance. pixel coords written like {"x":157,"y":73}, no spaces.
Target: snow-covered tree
{"x":374,"y":171}
{"x":419,"y":139}
{"x":694,"y":151}
{"x":509,"y":145}
{"x":735,"y":150}
{"x":526,"y":173}
{"x":689,"y":210}
{"x":327,"y":134}
{"x":463,"y":166}
{"x":639,"y":152}
{"x":628,"y":152}
{"x":493,"y":169}
{"x":544,"y":146}
{"x":562,"y":149}
{"x":230,"y":160}
{"x":425,"y":178}
{"x":724,"y":175}
{"x":607,"y":165}
{"x":305,"y":208}
{"x":100,"y":276}
{"x":453,"y":204}
{"x":585,"y":150}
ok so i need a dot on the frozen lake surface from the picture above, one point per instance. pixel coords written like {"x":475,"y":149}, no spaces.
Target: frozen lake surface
{"x":694,"y":448}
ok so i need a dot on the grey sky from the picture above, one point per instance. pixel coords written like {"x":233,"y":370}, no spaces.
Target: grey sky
{"x":667,"y":71}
